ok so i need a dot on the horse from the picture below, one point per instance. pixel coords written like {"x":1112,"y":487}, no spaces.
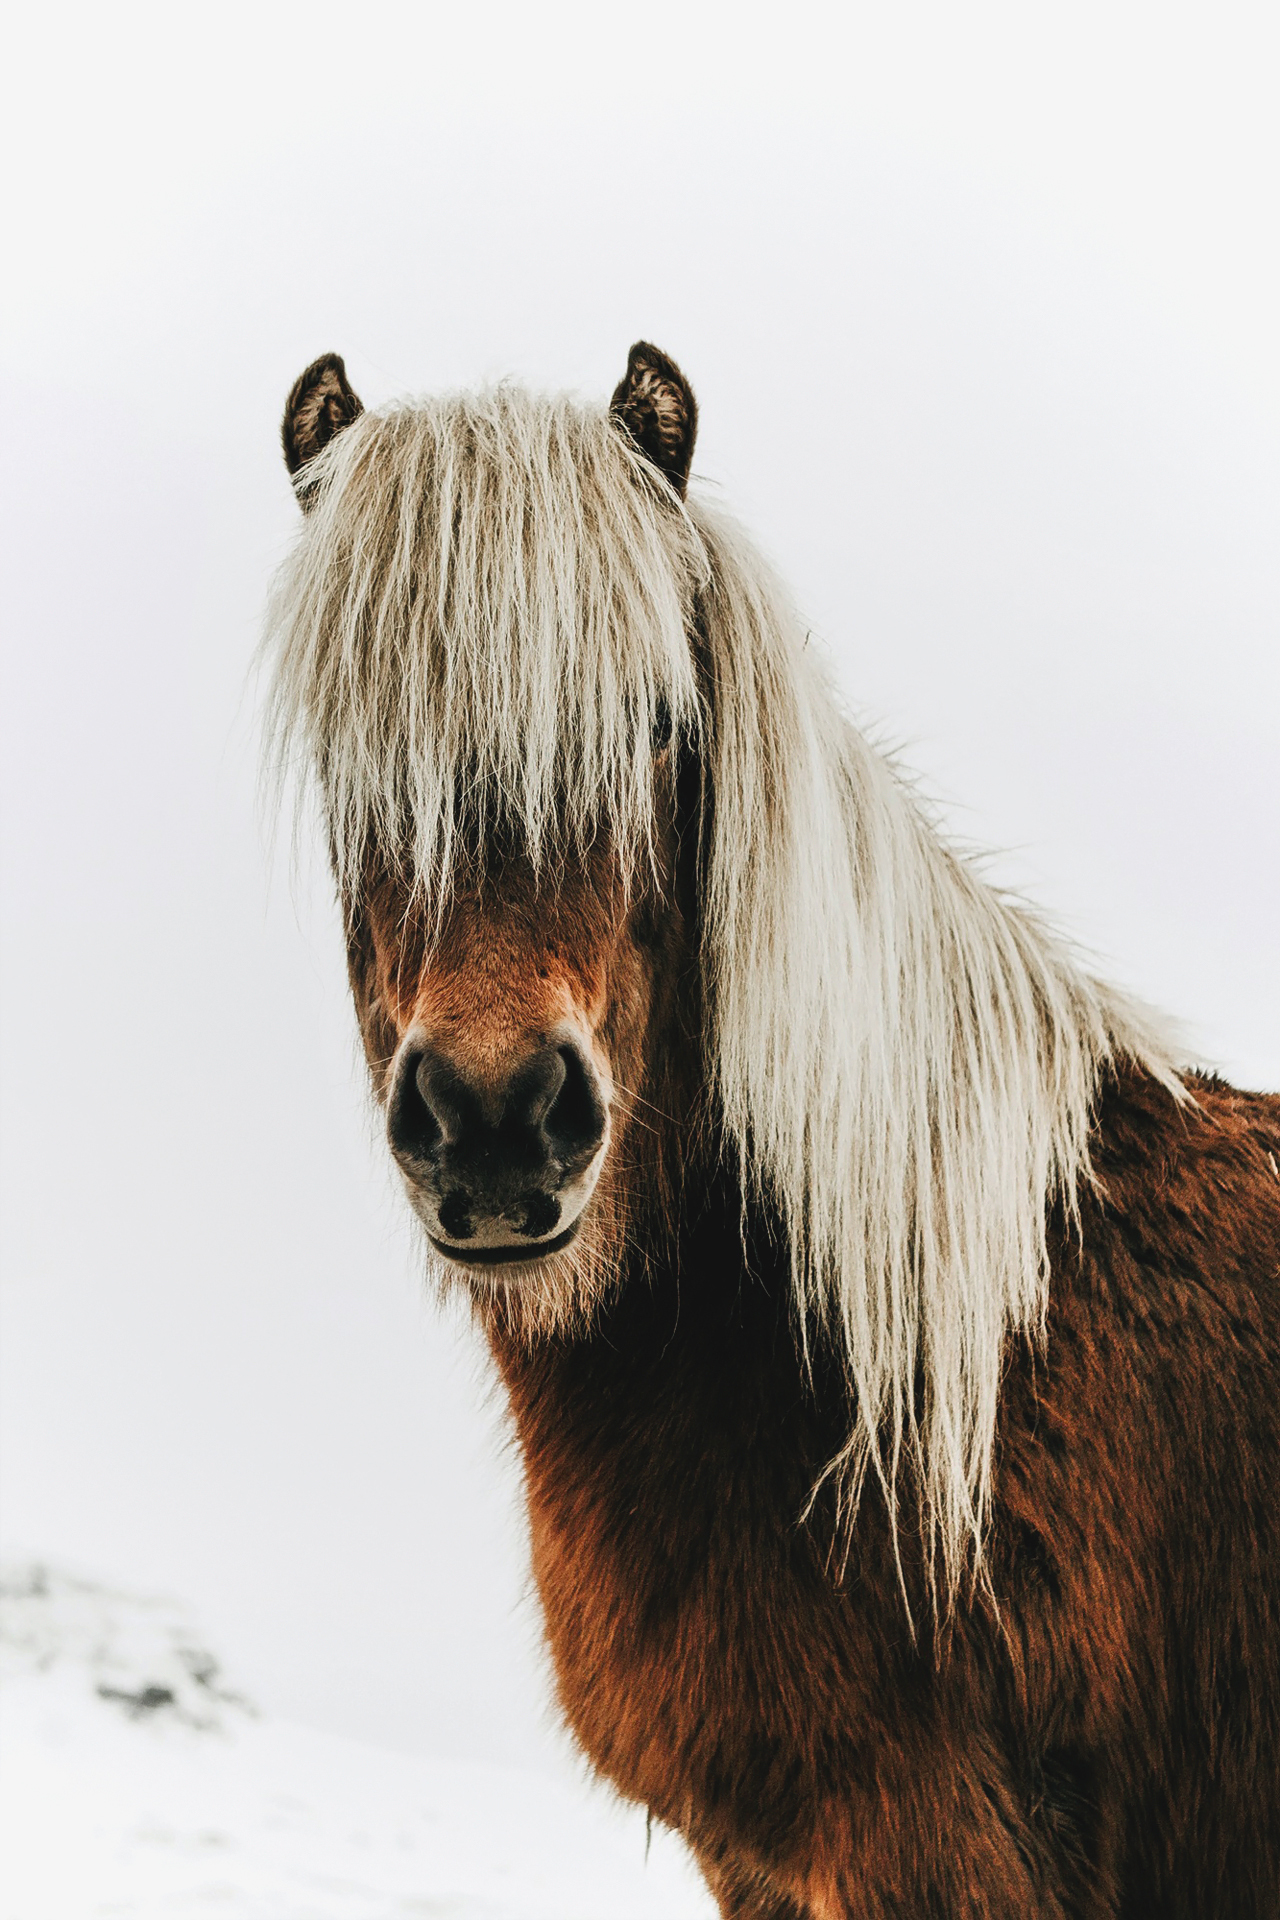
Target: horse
{"x":888,"y":1315}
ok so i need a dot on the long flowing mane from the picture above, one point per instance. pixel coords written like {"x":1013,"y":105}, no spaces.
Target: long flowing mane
{"x":490,"y":602}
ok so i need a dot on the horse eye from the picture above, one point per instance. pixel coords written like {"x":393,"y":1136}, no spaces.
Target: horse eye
{"x":663,"y":729}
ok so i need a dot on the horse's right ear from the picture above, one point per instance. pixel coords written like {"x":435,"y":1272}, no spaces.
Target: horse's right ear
{"x":321,"y":403}
{"x":655,"y":403}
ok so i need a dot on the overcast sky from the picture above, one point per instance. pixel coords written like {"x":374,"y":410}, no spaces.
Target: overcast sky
{"x":981,"y":304}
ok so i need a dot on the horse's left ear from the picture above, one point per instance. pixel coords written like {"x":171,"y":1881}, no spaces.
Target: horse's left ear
{"x":655,"y":403}
{"x":321,"y":403}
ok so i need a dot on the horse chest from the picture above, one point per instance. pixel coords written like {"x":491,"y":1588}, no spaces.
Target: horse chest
{"x":703,"y":1655}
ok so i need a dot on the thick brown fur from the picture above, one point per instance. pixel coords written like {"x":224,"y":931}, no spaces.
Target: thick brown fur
{"x":1104,"y":1739}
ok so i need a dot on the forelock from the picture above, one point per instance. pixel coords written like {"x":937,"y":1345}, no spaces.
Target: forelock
{"x":485,"y":613}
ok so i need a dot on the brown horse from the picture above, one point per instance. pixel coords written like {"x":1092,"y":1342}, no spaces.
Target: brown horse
{"x":890,"y":1329}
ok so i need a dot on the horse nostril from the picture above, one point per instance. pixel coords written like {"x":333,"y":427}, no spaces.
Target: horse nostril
{"x":455,"y":1215}
{"x":415,"y":1124}
{"x":574,"y":1122}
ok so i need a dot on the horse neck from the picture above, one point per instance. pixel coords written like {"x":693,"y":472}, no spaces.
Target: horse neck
{"x":691,"y":1363}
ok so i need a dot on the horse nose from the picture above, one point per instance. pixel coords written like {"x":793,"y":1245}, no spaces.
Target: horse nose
{"x":496,"y":1152}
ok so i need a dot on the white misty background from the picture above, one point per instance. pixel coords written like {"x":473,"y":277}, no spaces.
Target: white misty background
{"x":981,"y":307}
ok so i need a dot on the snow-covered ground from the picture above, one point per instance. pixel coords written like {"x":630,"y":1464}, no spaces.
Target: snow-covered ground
{"x":135,"y":1781}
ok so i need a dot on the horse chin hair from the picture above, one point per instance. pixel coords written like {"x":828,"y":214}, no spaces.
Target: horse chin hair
{"x":555,"y":1298}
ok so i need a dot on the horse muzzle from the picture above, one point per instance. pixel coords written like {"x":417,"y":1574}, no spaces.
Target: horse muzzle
{"x":499,"y":1165}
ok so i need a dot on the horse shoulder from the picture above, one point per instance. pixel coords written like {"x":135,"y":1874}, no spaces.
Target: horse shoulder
{"x":1135,"y":1547}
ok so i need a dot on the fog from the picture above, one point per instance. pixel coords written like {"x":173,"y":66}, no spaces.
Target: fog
{"x":981,"y":306}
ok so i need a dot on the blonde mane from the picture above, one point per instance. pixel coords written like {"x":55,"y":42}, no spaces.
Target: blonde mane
{"x":488,"y":606}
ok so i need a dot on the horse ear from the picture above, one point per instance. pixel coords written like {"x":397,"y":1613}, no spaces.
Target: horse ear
{"x":655,"y":404}
{"x":320,"y":404}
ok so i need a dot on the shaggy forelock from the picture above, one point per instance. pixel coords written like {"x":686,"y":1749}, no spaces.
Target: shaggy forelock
{"x":487,"y":607}
{"x":484,"y":616}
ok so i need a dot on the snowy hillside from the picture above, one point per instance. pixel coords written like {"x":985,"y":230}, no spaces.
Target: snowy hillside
{"x":135,"y":1782}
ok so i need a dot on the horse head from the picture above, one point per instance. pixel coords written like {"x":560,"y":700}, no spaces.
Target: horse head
{"x":516,"y":988}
